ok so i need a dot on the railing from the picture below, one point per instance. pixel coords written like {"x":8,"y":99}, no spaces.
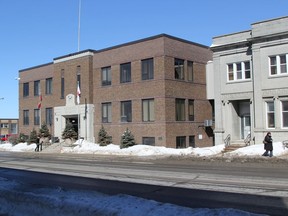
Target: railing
{"x":285,"y":144}
{"x":227,"y":140}
{"x":247,"y":140}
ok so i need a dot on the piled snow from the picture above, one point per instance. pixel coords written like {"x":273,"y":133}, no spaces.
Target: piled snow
{"x":145,"y":150}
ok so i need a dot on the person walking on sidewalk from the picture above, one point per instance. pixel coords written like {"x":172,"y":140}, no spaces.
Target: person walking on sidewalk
{"x":268,"y":145}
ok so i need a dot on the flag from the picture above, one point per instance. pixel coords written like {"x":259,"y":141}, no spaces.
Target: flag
{"x":40,"y":101}
{"x":78,"y":94}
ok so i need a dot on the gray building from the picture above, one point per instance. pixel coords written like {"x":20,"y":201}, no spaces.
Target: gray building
{"x":248,"y":81}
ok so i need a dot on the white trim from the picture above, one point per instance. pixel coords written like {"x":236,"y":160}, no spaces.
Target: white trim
{"x":73,"y":57}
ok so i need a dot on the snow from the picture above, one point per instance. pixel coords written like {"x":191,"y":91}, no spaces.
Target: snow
{"x":85,"y":147}
{"x":15,"y":200}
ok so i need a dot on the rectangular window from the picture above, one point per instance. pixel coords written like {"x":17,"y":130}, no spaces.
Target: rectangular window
{"x":148,"y":110}
{"x":62,"y":84}
{"x":14,"y":128}
{"x":37,"y":88}
{"x":36,"y":117}
{"x":78,"y":75}
{"x":126,"y":111}
{"x":180,"y":109}
{"x":270,"y":114}
{"x":49,"y":116}
{"x":106,"y":112}
{"x":179,"y":69}
{"x":25,"y":89}
{"x":25,"y":117}
{"x":4,"y":125}
{"x":190,"y":71}
{"x":192,"y":141}
{"x":181,"y":142}
{"x":148,"y":141}
{"x":284,"y":113}
{"x":125,"y":73}
{"x":191,"y":110}
{"x":239,"y":71}
{"x":106,"y":76}
{"x":49,"y":86}
{"x":278,"y":64}
{"x":147,"y":69}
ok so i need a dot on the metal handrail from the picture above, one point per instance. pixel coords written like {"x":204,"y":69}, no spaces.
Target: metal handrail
{"x":227,"y":140}
{"x":285,"y":144}
{"x":247,"y":140}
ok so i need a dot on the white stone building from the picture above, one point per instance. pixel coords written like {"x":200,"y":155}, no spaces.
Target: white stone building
{"x":248,"y":81}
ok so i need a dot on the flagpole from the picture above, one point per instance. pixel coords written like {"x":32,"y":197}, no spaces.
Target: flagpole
{"x":78,"y":102}
{"x":79,"y":17}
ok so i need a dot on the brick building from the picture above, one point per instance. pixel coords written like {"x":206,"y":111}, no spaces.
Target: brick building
{"x":155,"y":87}
{"x":8,"y":127}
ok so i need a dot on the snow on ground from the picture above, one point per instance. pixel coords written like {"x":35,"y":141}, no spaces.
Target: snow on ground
{"x":145,"y":150}
{"x":17,"y":201}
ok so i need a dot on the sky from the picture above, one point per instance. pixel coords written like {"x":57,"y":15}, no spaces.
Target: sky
{"x":39,"y":200}
{"x":35,"y":32}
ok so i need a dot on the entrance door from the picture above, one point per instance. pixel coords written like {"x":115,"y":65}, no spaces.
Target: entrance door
{"x":245,"y":126}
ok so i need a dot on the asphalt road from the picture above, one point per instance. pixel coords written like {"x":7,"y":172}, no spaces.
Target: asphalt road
{"x":260,"y":186}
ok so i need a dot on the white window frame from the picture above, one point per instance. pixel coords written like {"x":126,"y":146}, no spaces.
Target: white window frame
{"x":267,"y":112}
{"x":281,"y":110}
{"x":241,"y":72}
{"x":278,"y":65}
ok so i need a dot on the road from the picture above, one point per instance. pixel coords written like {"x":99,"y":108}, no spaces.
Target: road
{"x":258,"y":187}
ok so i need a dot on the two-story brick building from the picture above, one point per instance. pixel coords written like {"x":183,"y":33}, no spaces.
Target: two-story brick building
{"x":248,"y":81}
{"x":155,"y":87}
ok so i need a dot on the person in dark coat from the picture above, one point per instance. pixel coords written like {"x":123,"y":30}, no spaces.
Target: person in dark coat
{"x":268,"y":145}
{"x":37,"y":144}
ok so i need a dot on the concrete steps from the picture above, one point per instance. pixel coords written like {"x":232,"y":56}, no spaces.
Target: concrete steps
{"x":233,"y":146}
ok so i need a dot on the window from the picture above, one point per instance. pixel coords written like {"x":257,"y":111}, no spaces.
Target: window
{"x":270,"y":114}
{"x":37,"y":88}
{"x":239,"y":71}
{"x":62,"y":84}
{"x":191,"y":110}
{"x":284,"y":113}
{"x":106,"y":112}
{"x":126,"y":111}
{"x":148,"y":141}
{"x":13,"y":129}
{"x":190,"y":71}
{"x":25,"y":89}
{"x":49,"y":116}
{"x":4,"y":125}
{"x":278,"y":64}
{"x":179,"y":69}
{"x":36,"y":117}
{"x":192,"y":141}
{"x":49,"y":86}
{"x":106,"y":76}
{"x":180,"y":109}
{"x":25,"y":117}
{"x":148,"y":110}
{"x":125,"y":73}
{"x":147,"y":69}
{"x":180,"y":142}
{"x":78,"y":75}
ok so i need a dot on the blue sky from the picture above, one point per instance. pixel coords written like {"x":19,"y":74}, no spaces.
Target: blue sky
{"x":33,"y":32}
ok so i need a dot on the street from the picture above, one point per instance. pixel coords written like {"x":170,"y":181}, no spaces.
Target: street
{"x":257,"y":187}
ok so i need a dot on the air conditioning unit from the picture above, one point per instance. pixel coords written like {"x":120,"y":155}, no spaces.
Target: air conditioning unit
{"x":208,"y":123}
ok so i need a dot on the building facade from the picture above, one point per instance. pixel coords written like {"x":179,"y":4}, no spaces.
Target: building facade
{"x":8,"y":126}
{"x":248,"y":81}
{"x":155,"y":87}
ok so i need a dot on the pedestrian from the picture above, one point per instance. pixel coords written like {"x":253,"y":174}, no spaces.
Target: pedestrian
{"x":37,"y":144}
{"x":268,"y":145}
